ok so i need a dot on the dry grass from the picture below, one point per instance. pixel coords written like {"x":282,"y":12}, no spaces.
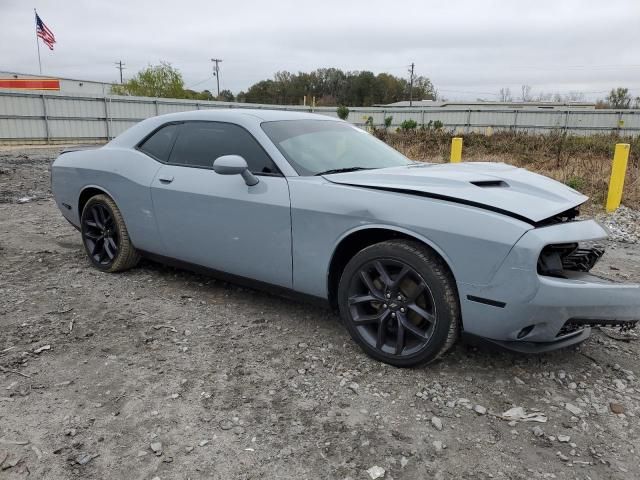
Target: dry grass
{"x":584,"y":163}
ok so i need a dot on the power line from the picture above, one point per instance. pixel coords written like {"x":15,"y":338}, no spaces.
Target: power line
{"x":200,"y":82}
{"x":120,"y":66}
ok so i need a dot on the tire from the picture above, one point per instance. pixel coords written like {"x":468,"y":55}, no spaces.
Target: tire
{"x":105,"y":236}
{"x":399,"y":302}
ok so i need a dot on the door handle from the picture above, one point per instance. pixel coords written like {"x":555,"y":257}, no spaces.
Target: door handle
{"x":166,"y":179}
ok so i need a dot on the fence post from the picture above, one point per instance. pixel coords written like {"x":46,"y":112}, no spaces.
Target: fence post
{"x":106,"y":118}
{"x":456,"y":150}
{"x":618,"y":171}
{"x":46,"y":118}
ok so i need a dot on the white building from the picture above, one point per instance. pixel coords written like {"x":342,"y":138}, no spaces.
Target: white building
{"x":67,"y":85}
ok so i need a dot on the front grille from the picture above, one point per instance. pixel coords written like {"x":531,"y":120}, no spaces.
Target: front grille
{"x":582,"y":259}
{"x":555,"y":259}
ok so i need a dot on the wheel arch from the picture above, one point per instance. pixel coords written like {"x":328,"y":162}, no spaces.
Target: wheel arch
{"x":90,"y":191}
{"x":353,"y":241}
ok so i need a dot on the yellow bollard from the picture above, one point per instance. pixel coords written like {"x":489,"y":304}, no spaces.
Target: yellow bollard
{"x":618,"y":171}
{"x":456,"y":150}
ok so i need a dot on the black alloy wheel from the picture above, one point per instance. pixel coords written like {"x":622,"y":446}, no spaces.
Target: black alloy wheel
{"x":399,"y":301}
{"x":100,"y":234}
{"x":105,"y":236}
{"x":392,"y":307}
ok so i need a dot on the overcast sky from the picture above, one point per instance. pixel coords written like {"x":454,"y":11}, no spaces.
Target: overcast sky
{"x":469,"y":48}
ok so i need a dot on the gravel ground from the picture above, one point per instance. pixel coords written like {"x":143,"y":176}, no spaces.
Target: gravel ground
{"x":161,"y":373}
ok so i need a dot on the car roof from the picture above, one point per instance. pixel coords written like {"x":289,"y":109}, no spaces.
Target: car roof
{"x":259,"y":113}
{"x":247,"y":117}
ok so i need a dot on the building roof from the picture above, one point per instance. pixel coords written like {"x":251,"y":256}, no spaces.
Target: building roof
{"x":481,"y":104}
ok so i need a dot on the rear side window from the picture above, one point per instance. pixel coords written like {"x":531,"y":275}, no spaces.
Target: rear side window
{"x":200,"y":143}
{"x":159,"y":144}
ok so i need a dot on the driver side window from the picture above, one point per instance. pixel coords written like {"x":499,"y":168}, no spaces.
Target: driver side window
{"x":200,"y":143}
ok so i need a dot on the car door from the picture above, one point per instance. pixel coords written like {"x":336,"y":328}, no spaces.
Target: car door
{"x":217,"y":221}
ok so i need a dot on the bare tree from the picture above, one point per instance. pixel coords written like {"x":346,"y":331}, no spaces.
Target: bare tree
{"x":505,"y":95}
{"x":526,"y":93}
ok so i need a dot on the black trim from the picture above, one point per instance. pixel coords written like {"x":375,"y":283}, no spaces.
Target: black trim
{"x":237,"y":279}
{"x":486,"y":301}
{"x":447,"y":198}
{"x":520,"y":346}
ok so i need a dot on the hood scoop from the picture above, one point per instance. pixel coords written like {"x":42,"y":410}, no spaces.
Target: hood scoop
{"x":490,"y":183}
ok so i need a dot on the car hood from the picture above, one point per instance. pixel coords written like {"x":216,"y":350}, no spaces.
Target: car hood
{"x":496,"y":186}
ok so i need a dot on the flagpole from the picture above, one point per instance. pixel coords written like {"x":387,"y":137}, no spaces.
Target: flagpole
{"x":37,"y":42}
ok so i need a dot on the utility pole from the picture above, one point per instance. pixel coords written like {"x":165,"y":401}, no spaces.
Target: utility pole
{"x":411,"y":84}
{"x":120,"y":66}
{"x":216,"y":72}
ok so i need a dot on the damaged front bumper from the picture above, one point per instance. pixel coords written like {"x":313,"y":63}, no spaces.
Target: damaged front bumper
{"x":525,"y":310}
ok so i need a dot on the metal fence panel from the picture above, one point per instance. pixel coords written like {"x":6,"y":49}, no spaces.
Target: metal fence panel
{"x":74,"y":108}
{"x":38,"y":117}
{"x":19,"y":129}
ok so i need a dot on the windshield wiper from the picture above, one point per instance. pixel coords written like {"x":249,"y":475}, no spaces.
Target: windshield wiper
{"x":343,"y":170}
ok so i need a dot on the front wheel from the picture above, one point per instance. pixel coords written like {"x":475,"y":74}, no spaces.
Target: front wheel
{"x":105,"y":236}
{"x":400,"y":303}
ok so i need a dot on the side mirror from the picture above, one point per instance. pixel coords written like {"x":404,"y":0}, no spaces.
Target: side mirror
{"x":234,"y":165}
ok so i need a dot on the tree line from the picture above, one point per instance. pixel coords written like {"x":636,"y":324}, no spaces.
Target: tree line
{"x":332,"y":87}
{"x":329,"y":86}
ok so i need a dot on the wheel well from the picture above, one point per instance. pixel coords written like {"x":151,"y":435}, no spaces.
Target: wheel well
{"x":351,"y":245}
{"x":86,"y":194}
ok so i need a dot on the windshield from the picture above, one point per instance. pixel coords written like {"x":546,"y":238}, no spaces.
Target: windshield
{"x":314,"y":147}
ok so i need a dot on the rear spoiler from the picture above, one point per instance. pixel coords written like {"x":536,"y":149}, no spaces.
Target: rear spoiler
{"x":78,"y":148}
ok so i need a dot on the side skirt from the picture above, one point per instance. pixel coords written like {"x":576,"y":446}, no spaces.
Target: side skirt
{"x":238,"y":280}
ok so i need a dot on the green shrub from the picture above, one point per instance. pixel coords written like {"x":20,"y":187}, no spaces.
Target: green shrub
{"x":387,"y":121}
{"x":438,"y":125}
{"x":343,"y":112}
{"x":577,"y":183}
{"x":408,"y":125}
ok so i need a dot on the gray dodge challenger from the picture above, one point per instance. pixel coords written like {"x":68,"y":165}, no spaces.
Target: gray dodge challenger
{"x":412,"y":255}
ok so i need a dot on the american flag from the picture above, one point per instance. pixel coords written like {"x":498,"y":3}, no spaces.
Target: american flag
{"x":44,"y":33}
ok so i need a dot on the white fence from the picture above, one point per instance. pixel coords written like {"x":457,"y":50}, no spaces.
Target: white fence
{"x":29,"y":117}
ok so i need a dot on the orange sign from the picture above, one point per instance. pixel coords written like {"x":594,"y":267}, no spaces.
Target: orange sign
{"x":30,"y":83}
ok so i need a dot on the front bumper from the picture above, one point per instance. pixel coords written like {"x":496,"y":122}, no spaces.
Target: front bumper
{"x":526,"y":311}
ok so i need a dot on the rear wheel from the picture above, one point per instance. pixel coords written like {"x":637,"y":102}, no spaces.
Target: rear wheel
{"x":105,"y":236}
{"x":399,"y":302}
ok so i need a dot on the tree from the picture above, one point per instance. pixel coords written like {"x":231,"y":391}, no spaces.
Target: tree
{"x":226,"y":96}
{"x":526,"y":93}
{"x":619,"y":98}
{"x":154,"y":81}
{"x":505,"y":95}
{"x":423,"y":88}
{"x":331,"y":86}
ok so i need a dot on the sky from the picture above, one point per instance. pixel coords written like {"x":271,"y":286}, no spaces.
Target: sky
{"x":468,"y":48}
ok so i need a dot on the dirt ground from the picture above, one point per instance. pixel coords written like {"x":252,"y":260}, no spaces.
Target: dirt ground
{"x":99,"y":370}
